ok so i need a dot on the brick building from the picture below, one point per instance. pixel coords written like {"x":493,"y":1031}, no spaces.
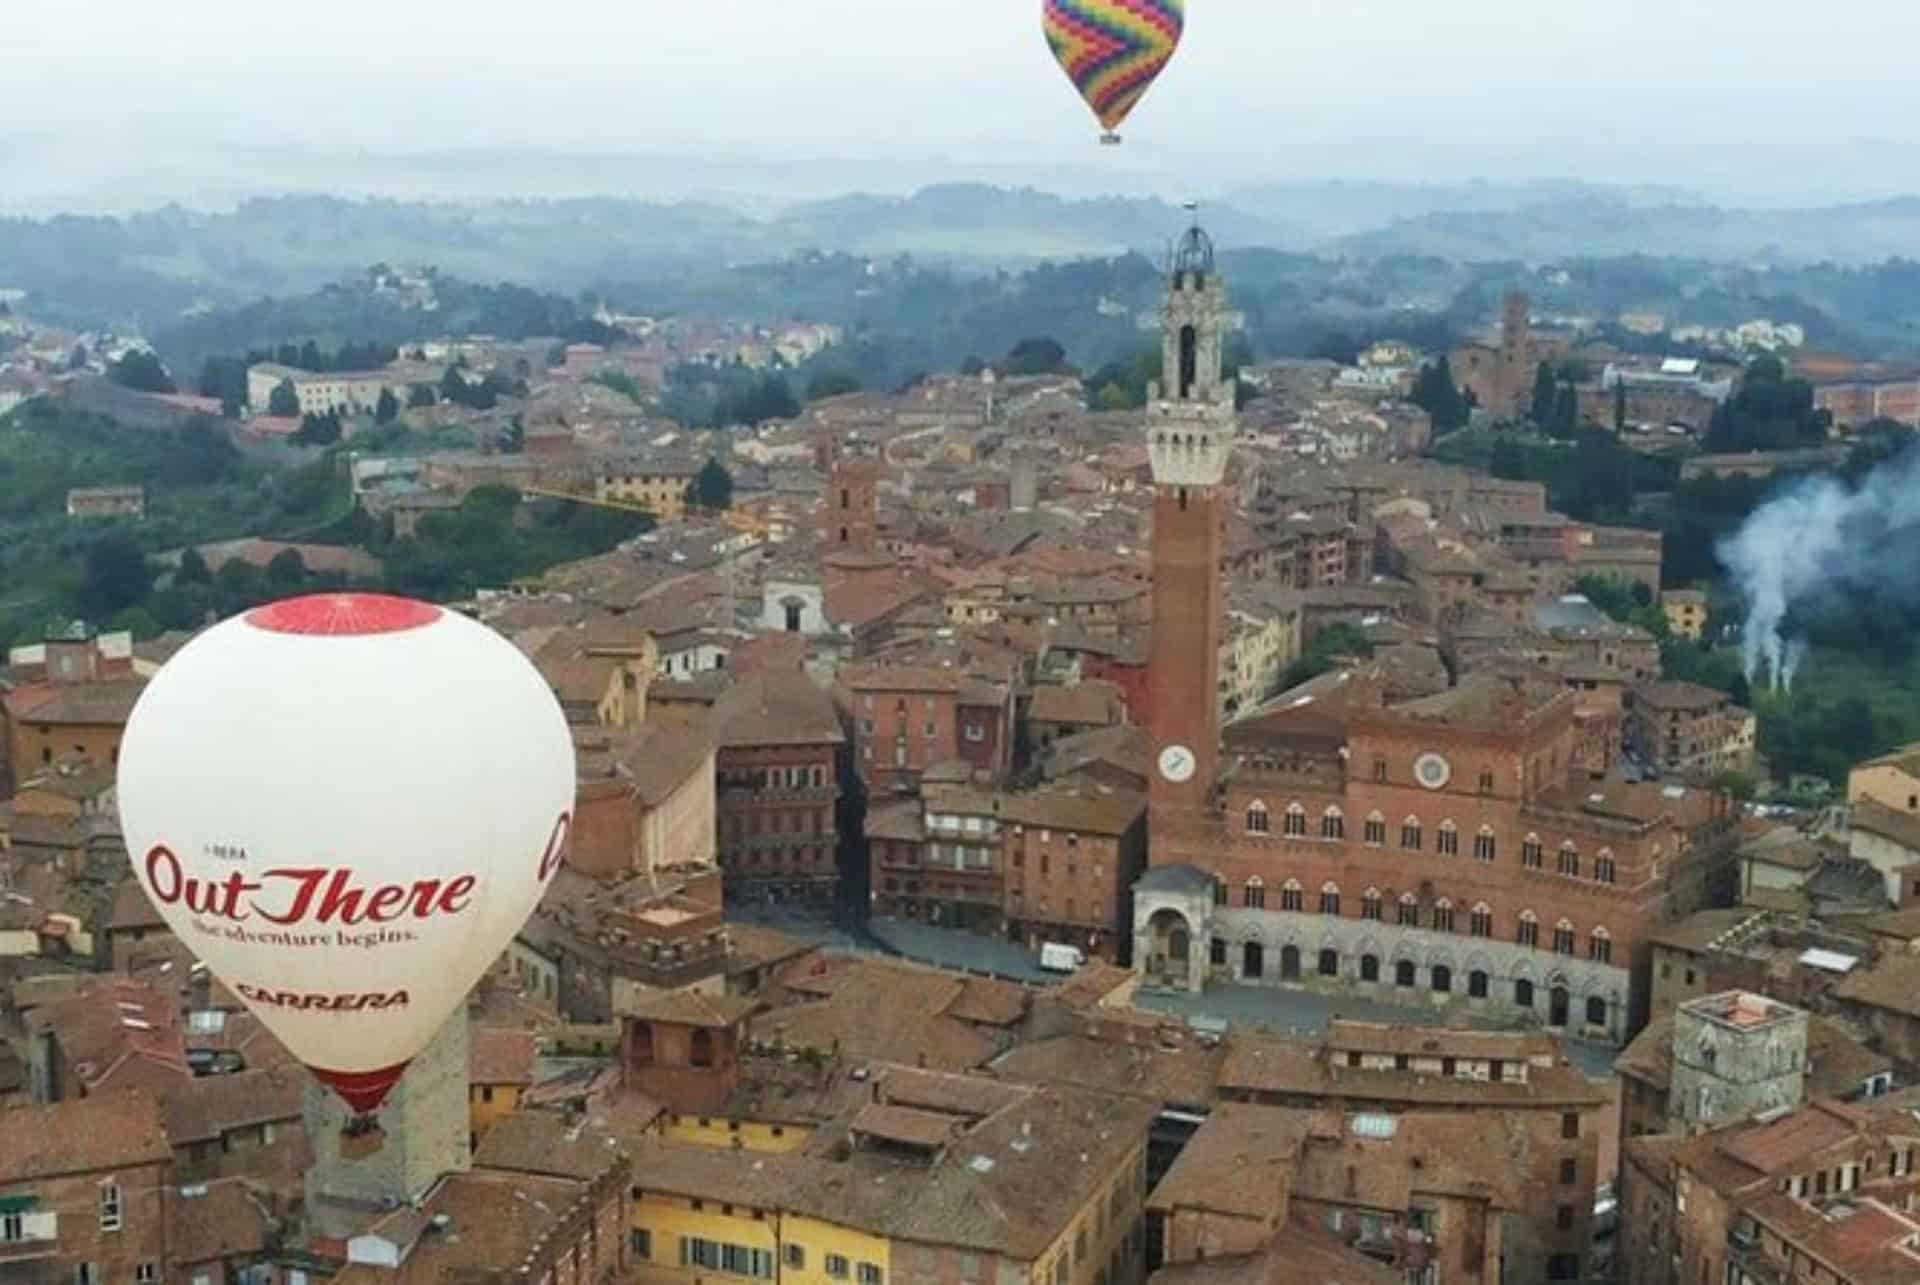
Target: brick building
{"x":1542,"y":1116}
{"x":1452,"y":849}
{"x":1817,"y":1193}
{"x":72,"y":695}
{"x":1071,"y":860}
{"x":1689,"y":729}
{"x":778,"y":789}
{"x":83,"y":1191}
{"x":909,"y":717}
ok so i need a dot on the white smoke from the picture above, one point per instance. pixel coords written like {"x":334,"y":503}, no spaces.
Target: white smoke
{"x":1821,"y":534}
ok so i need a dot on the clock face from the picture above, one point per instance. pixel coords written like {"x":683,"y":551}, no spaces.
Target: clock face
{"x":1177,"y":764}
{"x":1432,"y":771}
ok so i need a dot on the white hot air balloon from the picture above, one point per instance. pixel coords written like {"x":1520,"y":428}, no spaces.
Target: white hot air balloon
{"x":346,"y":805}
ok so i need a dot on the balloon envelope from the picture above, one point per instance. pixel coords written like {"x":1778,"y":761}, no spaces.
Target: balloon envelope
{"x":346,"y":806}
{"x":1112,"y":50}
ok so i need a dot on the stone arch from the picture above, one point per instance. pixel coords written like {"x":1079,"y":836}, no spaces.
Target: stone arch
{"x":1169,"y":944}
{"x":1259,"y":819}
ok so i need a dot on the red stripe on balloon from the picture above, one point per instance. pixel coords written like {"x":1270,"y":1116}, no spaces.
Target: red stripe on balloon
{"x":362,"y":1091}
{"x":343,"y":615}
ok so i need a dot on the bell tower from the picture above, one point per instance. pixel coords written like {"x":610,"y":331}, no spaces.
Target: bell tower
{"x":1190,"y":428}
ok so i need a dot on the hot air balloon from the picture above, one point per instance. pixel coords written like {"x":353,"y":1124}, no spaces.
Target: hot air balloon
{"x":346,"y":805}
{"x":1112,"y":50}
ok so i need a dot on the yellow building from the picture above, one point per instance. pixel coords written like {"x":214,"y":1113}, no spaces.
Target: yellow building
{"x":658,"y":486}
{"x":1892,"y":780}
{"x":774,"y":1137}
{"x":1686,"y":612}
{"x":499,"y":1071}
{"x":937,"y":1175}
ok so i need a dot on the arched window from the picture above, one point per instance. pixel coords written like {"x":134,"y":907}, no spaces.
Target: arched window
{"x":1477,"y":984}
{"x":1563,"y":937}
{"x":1447,"y":841}
{"x":1254,"y":895}
{"x":1603,"y":867}
{"x":1258,"y":820}
{"x":1484,"y":845}
{"x":1530,"y":852}
{"x":1370,"y":904}
{"x":1409,"y":911}
{"x":1296,"y":827}
{"x":1253,"y":960}
{"x":1329,"y":898}
{"x":1369,"y":968}
{"x":1376,"y":830}
{"x":1569,"y":859}
{"x":1442,"y":980}
{"x":702,"y":1048}
{"x":1522,"y":993}
{"x":1333,"y":825}
{"x":1403,"y":972}
{"x":1289,"y":963}
{"x":1410,"y":834}
{"x":1443,"y":916}
{"x":1219,"y":891}
{"x":1329,"y":963}
{"x":1293,"y":896}
{"x":640,"y":1044}
{"x":1529,"y":931}
{"x":1596,"y":1011}
{"x":1600,"y":946}
{"x":1480,"y":923}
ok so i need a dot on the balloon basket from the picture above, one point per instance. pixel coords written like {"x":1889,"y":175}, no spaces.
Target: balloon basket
{"x":361,"y":1137}
{"x":1109,"y":140}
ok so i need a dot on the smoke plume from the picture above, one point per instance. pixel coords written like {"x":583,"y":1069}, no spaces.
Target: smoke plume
{"x":1819,"y":535}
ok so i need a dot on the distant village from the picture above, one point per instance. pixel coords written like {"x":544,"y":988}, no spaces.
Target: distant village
{"x":1019,"y":844}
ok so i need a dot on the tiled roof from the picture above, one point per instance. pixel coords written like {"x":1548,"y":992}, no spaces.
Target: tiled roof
{"x":777,"y":708}
{"x":1239,"y":1163}
{"x":82,"y":1135}
{"x":212,"y":1222}
{"x":496,"y":1056}
{"x":550,"y":1143}
{"x":1111,"y":812}
{"x":1892,"y":984}
{"x":205,"y":1107}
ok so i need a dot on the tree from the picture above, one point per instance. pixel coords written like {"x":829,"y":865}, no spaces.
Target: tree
{"x":141,"y":371}
{"x":514,"y":440}
{"x":192,"y":569}
{"x":713,"y":488}
{"x":419,"y":396}
{"x":238,"y":584}
{"x":115,"y":576}
{"x":387,"y":409}
{"x":1543,"y":393}
{"x":556,"y":356}
{"x":1037,"y":356}
{"x":285,"y":400}
{"x":1509,"y":460}
{"x":318,"y":430}
{"x":832,"y":383}
{"x":1566,"y":414}
{"x":137,"y":621}
{"x":1434,"y":392}
{"x":288,"y":570}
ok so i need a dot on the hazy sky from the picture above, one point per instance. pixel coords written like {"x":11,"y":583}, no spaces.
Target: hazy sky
{"x":1677,"y":91}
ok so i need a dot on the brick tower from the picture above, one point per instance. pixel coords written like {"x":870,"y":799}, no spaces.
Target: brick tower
{"x":850,"y":516}
{"x":1516,"y":352}
{"x":1190,"y":427}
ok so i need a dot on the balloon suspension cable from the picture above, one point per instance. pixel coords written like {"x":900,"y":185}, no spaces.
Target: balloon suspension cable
{"x":1110,"y":139}
{"x":358,"y":1126}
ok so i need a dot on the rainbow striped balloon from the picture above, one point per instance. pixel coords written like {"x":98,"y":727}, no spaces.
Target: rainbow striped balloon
{"x":1113,"y":49}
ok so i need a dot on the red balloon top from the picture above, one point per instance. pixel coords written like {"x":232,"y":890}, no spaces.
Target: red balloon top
{"x":343,"y":615}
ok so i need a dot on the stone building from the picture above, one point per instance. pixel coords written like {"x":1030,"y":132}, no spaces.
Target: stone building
{"x":1689,"y":729}
{"x":83,"y":1191}
{"x":1735,"y":1054}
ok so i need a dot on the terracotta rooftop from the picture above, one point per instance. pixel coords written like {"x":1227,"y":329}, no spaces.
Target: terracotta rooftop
{"x":1301,"y":1254}
{"x":82,"y":1135}
{"x":1241,"y":1162}
{"x":501,"y":1057}
{"x":1891,"y":984}
{"x":777,"y":708}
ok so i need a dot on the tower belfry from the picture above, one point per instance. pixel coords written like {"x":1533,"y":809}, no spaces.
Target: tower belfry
{"x":1190,"y":430}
